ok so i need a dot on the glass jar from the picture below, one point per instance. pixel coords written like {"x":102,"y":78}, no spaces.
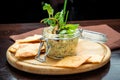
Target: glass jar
{"x":61,"y":45}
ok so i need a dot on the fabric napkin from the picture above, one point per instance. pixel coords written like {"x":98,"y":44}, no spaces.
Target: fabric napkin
{"x":112,"y":35}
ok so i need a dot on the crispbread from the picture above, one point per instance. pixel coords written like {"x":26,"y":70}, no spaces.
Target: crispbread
{"x":30,"y":39}
{"x":72,"y":61}
{"x":95,"y":59}
{"x":14,"y":48}
{"x":27,"y":50}
{"x":93,"y":49}
{"x":27,"y":47}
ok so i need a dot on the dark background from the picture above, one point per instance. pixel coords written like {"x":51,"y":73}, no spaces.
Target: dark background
{"x":27,"y":11}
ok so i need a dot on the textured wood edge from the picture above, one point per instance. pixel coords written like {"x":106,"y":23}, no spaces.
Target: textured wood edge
{"x":50,"y":70}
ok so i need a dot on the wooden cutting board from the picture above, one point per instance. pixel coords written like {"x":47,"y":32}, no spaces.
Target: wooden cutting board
{"x":33,"y":66}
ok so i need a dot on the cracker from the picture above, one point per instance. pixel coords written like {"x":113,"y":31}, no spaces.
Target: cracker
{"x":14,"y":48}
{"x":27,"y":47}
{"x":95,"y":59}
{"x":27,"y":50}
{"x":89,"y":48}
{"x":72,"y":61}
{"x":30,"y":39}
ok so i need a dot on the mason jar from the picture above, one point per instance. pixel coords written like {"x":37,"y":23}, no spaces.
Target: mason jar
{"x":61,"y":45}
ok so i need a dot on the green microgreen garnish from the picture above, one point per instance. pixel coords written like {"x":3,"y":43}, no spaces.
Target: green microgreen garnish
{"x":59,"y":20}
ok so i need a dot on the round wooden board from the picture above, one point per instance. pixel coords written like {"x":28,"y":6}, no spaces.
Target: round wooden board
{"x":51,"y":70}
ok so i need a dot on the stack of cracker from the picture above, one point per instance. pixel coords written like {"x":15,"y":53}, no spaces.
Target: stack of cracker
{"x":27,"y":47}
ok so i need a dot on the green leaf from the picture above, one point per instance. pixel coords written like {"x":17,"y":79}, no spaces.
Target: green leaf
{"x":49,"y":9}
{"x":70,"y":31}
{"x":72,"y":26}
{"x":63,"y":32}
{"x":51,"y":22}
{"x":57,"y":15}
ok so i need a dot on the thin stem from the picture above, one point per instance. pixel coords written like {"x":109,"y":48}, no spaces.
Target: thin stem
{"x":64,"y":9}
{"x":66,"y":17}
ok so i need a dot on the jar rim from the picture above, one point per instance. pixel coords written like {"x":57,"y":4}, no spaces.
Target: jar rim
{"x":47,"y":34}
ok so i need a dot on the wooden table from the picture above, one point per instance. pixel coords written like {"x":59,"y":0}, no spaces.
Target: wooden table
{"x":110,"y":71}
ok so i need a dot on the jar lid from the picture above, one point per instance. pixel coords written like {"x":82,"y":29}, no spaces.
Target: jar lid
{"x":94,"y":36}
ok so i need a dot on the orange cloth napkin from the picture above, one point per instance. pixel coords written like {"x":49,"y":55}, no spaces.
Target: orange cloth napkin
{"x":112,"y":35}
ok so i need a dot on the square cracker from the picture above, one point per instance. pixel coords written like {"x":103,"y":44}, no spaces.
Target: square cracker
{"x":14,"y":48}
{"x":72,"y":61}
{"x":96,"y":51}
{"x":27,"y":50}
{"x":95,"y":59}
{"x":34,"y":38}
